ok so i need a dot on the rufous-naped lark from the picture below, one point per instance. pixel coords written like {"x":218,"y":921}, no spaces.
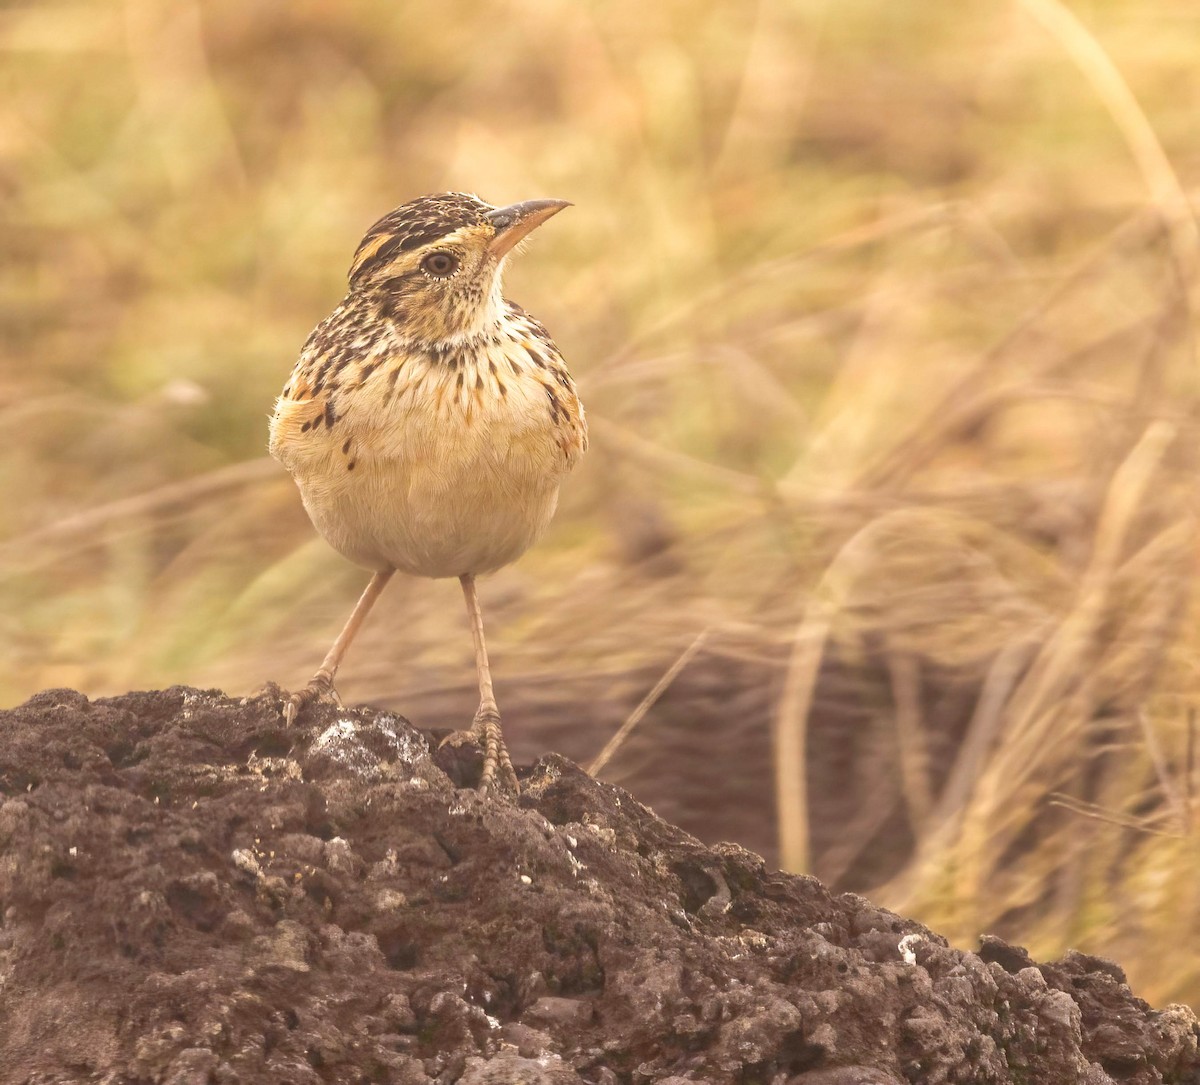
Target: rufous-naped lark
{"x":429,"y":421}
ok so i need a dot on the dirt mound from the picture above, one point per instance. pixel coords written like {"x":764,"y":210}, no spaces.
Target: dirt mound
{"x":192,"y":894}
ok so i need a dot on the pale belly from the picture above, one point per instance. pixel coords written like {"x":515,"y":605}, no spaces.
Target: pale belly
{"x":465,"y":486}
{"x":425,"y":520}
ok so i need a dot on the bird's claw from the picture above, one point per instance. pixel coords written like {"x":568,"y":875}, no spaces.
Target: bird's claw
{"x":486,"y":734}
{"x":319,"y":690}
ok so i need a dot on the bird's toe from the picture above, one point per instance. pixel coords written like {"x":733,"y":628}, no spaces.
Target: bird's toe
{"x":318,"y":691}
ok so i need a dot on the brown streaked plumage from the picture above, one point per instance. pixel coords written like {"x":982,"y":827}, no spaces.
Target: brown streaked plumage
{"x":429,"y":422}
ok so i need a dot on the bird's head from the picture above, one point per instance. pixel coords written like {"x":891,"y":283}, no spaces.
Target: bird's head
{"x":435,"y":262}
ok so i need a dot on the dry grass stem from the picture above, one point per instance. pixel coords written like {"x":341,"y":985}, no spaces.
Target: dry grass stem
{"x":1144,"y":145}
{"x":647,"y":703}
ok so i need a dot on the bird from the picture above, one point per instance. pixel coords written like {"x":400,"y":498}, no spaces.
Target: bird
{"x":429,"y":423}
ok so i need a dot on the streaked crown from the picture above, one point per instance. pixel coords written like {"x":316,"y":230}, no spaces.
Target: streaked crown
{"x":416,"y":224}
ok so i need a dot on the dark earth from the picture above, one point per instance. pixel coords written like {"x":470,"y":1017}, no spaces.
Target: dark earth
{"x":193,"y":894}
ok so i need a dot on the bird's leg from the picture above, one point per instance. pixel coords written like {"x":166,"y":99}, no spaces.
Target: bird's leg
{"x":321,"y":683}
{"x":485,"y":729}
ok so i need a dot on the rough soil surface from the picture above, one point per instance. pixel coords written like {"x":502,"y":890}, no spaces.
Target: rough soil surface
{"x":700,"y":757}
{"x":191,"y":893}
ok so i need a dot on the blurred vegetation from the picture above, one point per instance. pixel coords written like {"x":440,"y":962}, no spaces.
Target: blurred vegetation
{"x":882,"y":314}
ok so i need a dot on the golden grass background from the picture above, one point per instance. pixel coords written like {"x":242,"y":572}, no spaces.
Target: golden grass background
{"x":883,"y":315}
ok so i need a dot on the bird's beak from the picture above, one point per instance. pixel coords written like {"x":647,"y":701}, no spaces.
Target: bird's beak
{"x":518,"y":220}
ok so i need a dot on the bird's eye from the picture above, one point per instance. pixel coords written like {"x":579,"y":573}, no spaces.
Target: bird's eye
{"x":440,"y":264}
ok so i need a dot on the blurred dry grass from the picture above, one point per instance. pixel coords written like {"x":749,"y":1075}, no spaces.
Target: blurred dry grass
{"x":883,"y":315}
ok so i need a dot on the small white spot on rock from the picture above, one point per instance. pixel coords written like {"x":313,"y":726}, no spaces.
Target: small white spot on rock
{"x":337,"y":729}
{"x":244,"y":860}
{"x":390,"y":900}
{"x":343,"y":740}
{"x":526,"y":879}
{"x":906,"y":947}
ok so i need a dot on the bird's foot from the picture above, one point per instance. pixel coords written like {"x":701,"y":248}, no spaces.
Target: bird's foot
{"x":318,"y":691}
{"x":485,"y":733}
